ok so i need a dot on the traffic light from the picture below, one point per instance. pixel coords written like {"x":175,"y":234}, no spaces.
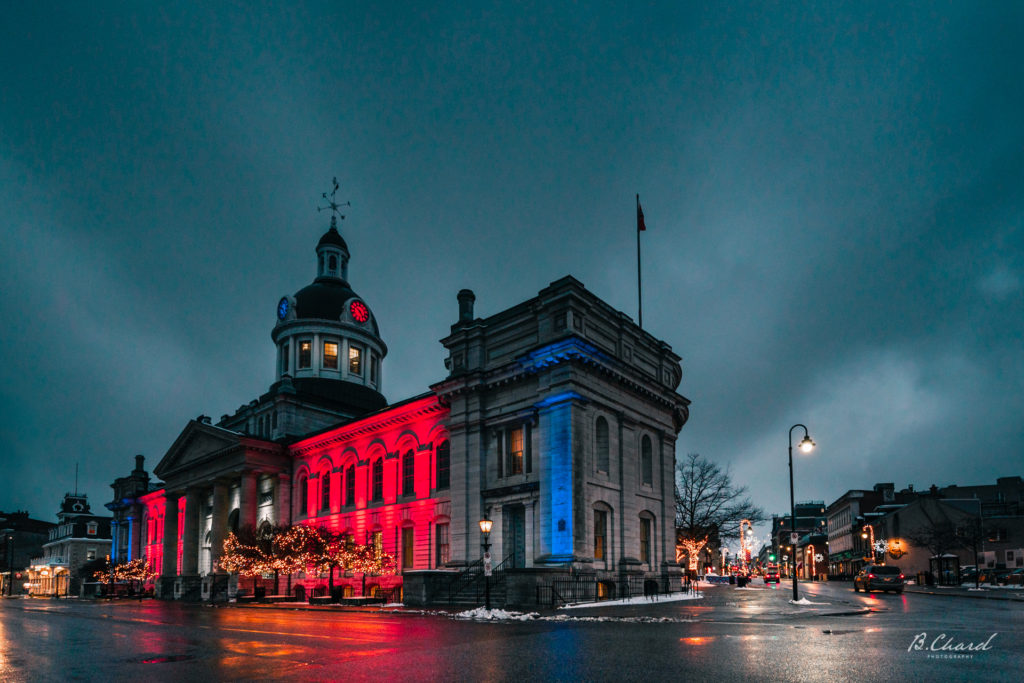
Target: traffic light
{"x":771,"y":557}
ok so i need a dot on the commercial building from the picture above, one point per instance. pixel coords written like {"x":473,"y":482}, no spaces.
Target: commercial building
{"x":78,"y":538}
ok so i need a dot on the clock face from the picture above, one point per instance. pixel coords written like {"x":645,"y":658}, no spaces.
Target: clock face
{"x":282,"y":308}
{"x":360,"y":313}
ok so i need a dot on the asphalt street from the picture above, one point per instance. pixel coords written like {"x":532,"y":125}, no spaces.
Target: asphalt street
{"x":730,"y":634}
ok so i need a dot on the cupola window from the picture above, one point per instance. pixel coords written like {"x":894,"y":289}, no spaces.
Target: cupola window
{"x":305,"y":353}
{"x":355,"y":360}
{"x":331,"y":355}
{"x":285,"y":348}
{"x":332,"y":264}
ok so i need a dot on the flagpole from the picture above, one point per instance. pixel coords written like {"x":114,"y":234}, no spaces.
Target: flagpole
{"x":639,"y":280}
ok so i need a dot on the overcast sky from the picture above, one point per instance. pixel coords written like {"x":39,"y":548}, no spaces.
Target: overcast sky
{"x":833,"y":195}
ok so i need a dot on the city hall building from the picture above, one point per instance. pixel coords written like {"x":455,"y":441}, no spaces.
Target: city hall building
{"x":556,"y":419}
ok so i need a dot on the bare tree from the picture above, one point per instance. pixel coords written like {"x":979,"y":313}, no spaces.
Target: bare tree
{"x":709,"y":505}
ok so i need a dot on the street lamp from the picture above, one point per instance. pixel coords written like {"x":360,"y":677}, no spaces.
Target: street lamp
{"x":806,"y":445}
{"x":864,"y":535}
{"x":485,"y":531}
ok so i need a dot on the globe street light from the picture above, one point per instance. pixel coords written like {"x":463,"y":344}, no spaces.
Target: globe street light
{"x":806,"y":445}
{"x":485,"y":531}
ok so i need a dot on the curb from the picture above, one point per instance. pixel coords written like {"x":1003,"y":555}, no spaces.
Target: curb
{"x":1004,"y":598}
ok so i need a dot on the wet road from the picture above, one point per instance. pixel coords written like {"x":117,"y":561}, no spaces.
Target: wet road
{"x":753,"y":634}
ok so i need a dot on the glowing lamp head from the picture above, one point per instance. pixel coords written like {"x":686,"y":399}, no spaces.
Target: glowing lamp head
{"x":864,"y":535}
{"x":806,"y":445}
{"x":485,"y":526}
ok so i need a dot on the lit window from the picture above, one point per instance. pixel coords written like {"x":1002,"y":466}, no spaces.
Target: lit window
{"x":305,"y":353}
{"x":646,"y":461}
{"x":378,"y":543}
{"x":90,"y":528}
{"x":407,"y":548}
{"x":444,"y":458}
{"x":645,"y":540}
{"x":601,"y":430}
{"x":514,"y":463}
{"x":355,"y":360}
{"x":600,"y":534}
{"x":442,"y":544}
{"x":331,"y":355}
{"x":408,"y":474}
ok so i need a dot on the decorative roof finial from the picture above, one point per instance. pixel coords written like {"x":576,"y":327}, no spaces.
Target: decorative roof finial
{"x":333,"y":206}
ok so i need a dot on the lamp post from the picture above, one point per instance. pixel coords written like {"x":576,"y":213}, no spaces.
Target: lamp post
{"x":485,"y":532}
{"x":806,"y":445}
{"x":864,"y":535}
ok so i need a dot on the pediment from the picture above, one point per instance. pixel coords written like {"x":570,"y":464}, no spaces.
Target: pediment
{"x":198,"y":443}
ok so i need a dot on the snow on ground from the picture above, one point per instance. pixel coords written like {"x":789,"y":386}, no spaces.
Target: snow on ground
{"x":482,"y":614}
{"x":639,"y":600}
{"x":805,"y":601}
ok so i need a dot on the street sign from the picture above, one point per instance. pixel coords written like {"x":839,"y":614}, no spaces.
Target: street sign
{"x":794,"y":538}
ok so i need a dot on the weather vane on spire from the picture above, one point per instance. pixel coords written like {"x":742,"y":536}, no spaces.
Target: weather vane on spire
{"x":333,"y":206}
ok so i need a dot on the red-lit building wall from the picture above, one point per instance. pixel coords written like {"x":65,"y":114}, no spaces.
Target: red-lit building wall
{"x":153,"y":529}
{"x":414,"y":430}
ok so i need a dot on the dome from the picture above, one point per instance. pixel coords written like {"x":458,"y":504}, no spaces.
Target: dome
{"x":333,"y":238}
{"x":328,"y":299}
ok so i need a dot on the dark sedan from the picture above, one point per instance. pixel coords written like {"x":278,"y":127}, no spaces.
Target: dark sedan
{"x":879,"y":577}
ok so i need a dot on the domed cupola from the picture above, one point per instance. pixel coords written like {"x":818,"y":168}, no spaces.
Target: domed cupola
{"x":326,"y":331}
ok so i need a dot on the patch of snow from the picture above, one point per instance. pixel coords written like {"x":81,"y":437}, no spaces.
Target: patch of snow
{"x":639,"y":600}
{"x":484,"y":614}
{"x":805,"y":601}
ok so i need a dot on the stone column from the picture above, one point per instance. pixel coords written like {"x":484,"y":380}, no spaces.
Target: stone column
{"x":219,"y":527}
{"x":190,"y":536}
{"x":170,"y":559}
{"x":284,"y":499}
{"x":248,"y":499}
{"x":113,"y":541}
{"x":531,"y":532}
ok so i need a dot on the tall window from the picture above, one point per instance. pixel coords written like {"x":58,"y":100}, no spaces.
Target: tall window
{"x":325,"y":490}
{"x":332,"y":263}
{"x":285,"y":348}
{"x":377,"y":480}
{"x":645,"y":540}
{"x":601,"y":444}
{"x":305,"y":353}
{"x":377,"y":541}
{"x":408,"y":474}
{"x":442,"y":545}
{"x":600,"y":534}
{"x":514,"y":460}
{"x":374,"y":367}
{"x":331,"y":355}
{"x":646,"y":461}
{"x":350,"y":485}
{"x":355,"y":360}
{"x":444,"y":457}
{"x":303,"y":495}
{"x":407,"y":547}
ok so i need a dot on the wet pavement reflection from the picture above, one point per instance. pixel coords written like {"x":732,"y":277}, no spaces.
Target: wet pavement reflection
{"x":755,"y":634}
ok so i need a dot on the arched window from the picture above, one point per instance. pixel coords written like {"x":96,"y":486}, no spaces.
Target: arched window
{"x":303,"y":486}
{"x":350,"y":485}
{"x":601,"y":444}
{"x":408,"y":474}
{"x":377,"y":480}
{"x":646,"y":461}
{"x":444,"y":463}
{"x":646,"y":531}
{"x":601,"y":549}
{"x":325,"y":490}
{"x":332,"y":263}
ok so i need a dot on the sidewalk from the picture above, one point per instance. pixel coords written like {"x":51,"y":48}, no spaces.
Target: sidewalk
{"x":1015,"y":594}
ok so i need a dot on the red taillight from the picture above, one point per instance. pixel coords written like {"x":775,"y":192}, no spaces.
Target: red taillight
{"x":871,"y":576}
{"x":901,"y":576}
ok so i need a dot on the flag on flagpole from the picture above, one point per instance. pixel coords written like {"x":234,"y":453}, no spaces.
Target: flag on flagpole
{"x":639,"y":217}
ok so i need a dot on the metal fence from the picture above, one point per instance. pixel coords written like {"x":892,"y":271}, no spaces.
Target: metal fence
{"x":564,"y":590}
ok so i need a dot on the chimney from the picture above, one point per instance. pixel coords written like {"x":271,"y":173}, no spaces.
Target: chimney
{"x":139,"y":459}
{"x":466,"y":299}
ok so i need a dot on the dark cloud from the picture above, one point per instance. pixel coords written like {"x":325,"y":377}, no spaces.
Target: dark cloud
{"x":832,"y":192}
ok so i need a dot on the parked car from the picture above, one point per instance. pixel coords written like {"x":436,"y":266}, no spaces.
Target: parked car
{"x":1014,"y":578}
{"x":992,"y":576}
{"x":968,"y":575}
{"x":879,"y":577}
